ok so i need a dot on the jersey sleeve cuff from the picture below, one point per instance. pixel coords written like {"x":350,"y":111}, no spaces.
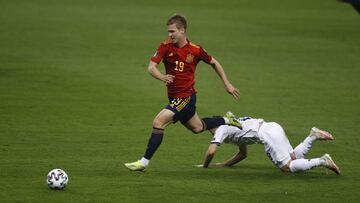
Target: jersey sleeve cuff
{"x":155,"y":60}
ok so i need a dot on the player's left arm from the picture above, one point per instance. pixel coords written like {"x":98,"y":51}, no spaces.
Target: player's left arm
{"x":228,"y":86}
{"x":241,"y":155}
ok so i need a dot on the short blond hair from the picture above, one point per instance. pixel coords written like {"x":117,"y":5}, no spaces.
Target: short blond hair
{"x":179,"y":20}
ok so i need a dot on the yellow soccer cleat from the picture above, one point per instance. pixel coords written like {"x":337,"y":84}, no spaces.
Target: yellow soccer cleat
{"x":232,"y":120}
{"x":135,"y":166}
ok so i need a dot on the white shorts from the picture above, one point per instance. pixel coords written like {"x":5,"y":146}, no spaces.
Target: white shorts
{"x":277,"y":145}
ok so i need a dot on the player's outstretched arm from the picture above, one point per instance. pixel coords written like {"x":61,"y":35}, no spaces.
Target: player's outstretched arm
{"x":154,"y":71}
{"x":210,"y":155}
{"x":241,"y":155}
{"x":228,"y":86}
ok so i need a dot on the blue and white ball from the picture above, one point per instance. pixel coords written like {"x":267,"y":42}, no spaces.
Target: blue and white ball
{"x":57,"y":179}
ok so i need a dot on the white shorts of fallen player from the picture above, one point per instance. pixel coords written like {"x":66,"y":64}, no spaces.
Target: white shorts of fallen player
{"x":277,"y":145}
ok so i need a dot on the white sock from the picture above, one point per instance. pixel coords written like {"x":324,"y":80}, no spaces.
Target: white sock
{"x":226,"y":120}
{"x":145,"y":161}
{"x":303,"y":148}
{"x":298,"y":165}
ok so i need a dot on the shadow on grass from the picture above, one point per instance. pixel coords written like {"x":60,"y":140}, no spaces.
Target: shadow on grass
{"x":244,"y":173}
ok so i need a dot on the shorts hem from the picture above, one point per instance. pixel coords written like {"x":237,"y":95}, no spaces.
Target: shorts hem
{"x":284,"y":162}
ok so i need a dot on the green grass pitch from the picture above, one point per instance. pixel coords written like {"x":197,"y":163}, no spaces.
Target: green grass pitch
{"x":75,"y":94}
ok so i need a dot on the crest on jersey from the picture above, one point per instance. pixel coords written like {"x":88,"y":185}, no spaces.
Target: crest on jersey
{"x":189,"y":58}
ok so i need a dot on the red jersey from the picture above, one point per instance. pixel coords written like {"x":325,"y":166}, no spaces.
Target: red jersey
{"x":180,"y":62}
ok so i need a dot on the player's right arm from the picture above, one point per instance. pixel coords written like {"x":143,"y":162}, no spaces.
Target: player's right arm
{"x":155,"y":60}
{"x":210,"y":155}
{"x":154,"y":71}
{"x":241,"y":155}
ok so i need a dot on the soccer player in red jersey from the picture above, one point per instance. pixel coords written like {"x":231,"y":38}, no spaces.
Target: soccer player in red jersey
{"x":180,"y":58}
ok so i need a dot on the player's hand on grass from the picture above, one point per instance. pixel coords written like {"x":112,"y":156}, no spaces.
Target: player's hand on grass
{"x":219,"y":165}
{"x":232,"y":90}
{"x":199,"y":166}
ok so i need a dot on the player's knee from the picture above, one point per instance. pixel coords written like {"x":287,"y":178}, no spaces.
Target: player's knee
{"x":286,"y":168}
{"x":200,"y":127}
{"x":292,"y":155}
{"x":197,"y":130}
{"x":157,"y":124}
{"x":211,"y":153}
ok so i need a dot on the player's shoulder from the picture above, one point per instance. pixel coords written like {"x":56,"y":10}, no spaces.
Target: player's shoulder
{"x":193,"y":45}
{"x":167,"y":41}
{"x":196,"y":48}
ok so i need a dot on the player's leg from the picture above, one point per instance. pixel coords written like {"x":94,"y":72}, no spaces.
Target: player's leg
{"x":315,"y":134}
{"x":277,"y":148}
{"x":190,"y":119}
{"x":197,"y":125}
{"x":300,"y":165}
{"x":186,"y":113}
{"x":163,"y":119}
{"x":276,"y":144}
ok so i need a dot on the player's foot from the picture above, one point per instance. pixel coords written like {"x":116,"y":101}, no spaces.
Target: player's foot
{"x":330,"y":164}
{"x":320,"y":134}
{"x":135,"y":166}
{"x":232,"y":120}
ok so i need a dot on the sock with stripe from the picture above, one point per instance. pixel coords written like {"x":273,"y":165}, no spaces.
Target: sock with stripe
{"x":153,"y":144}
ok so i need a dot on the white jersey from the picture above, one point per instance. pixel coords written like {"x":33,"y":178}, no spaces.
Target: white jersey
{"x":247,"y":135}
{"x":256,"y":131}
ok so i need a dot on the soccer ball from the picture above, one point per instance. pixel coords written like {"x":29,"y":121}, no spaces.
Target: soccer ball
{"x":57,"y":179}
